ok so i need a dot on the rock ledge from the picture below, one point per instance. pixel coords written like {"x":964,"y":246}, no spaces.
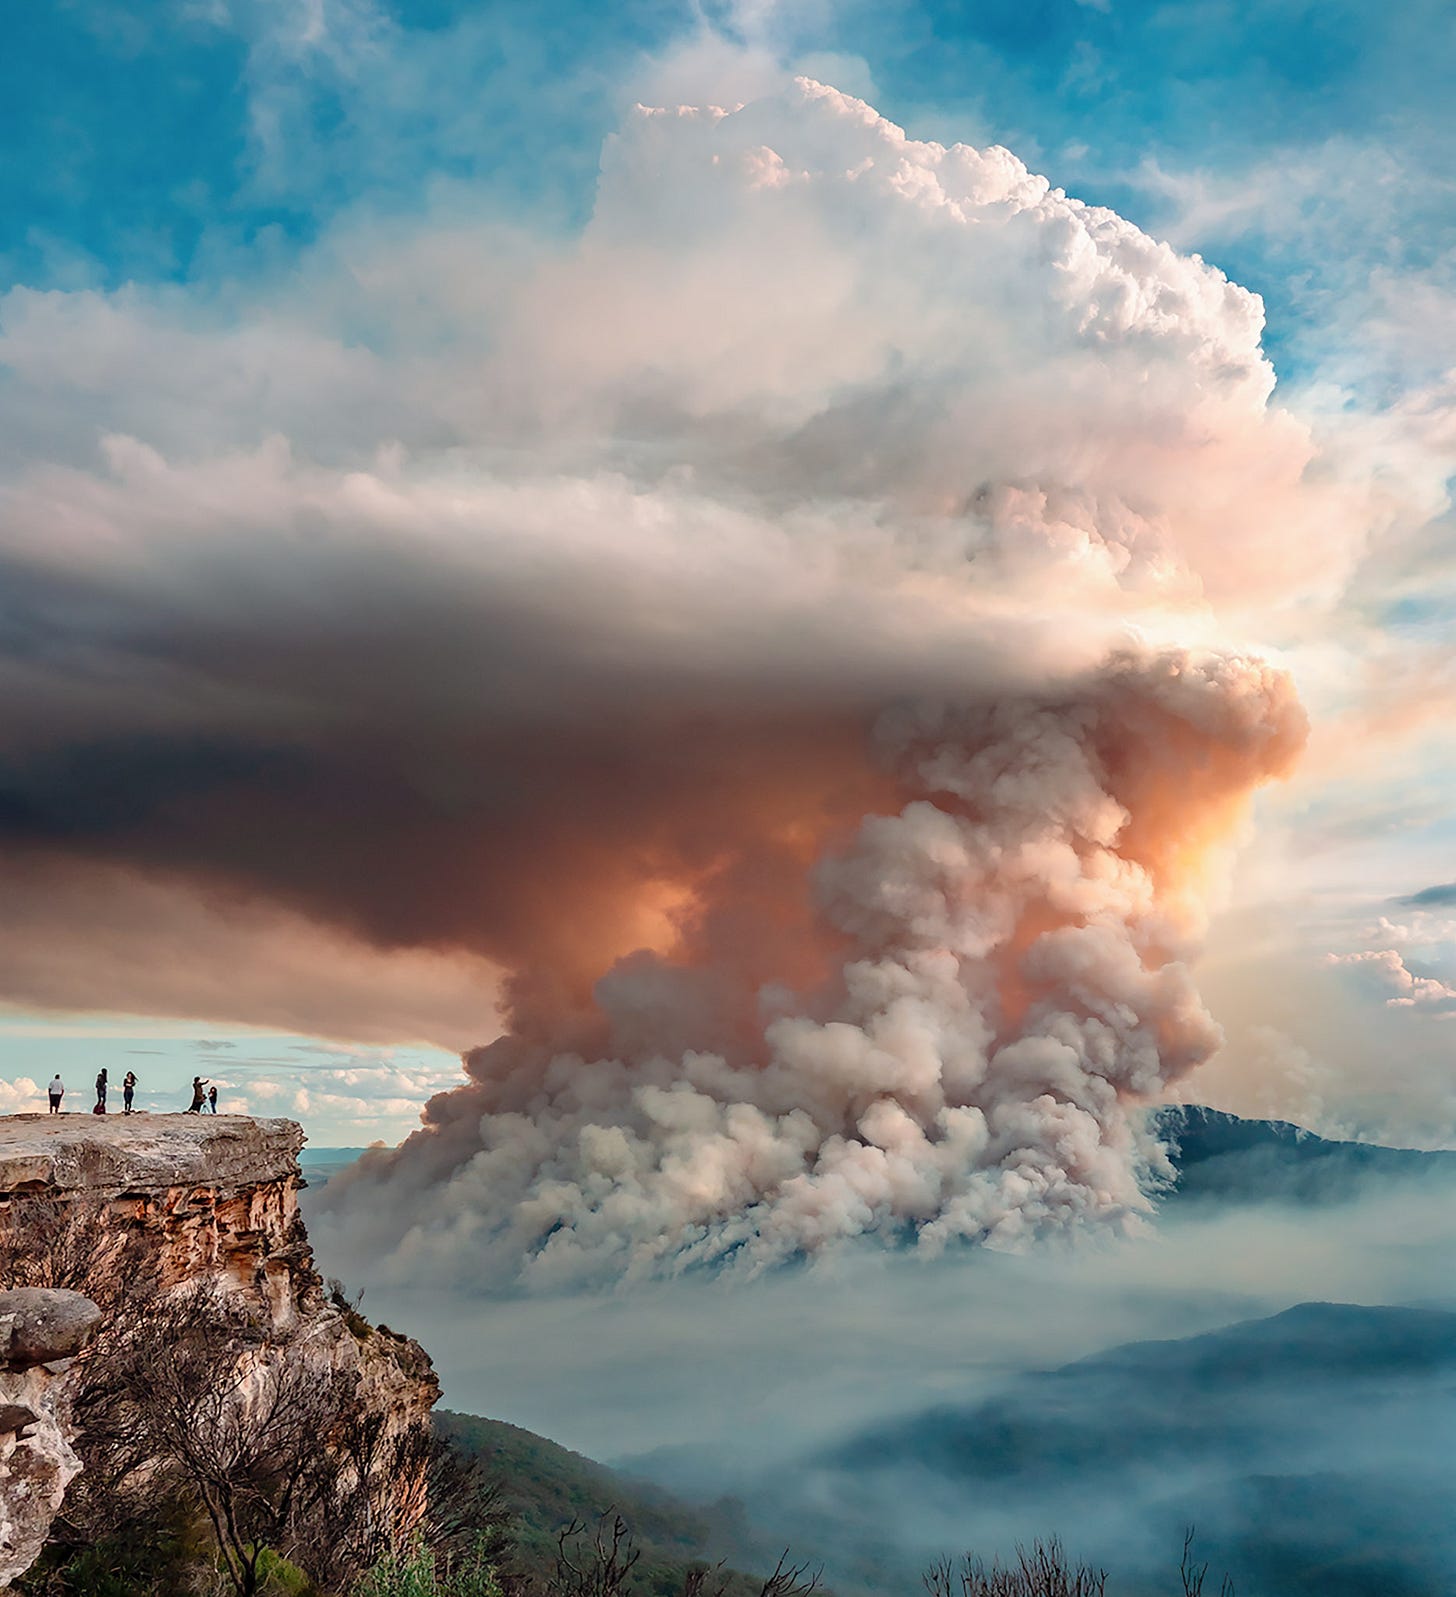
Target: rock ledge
{"x":143,"y":1153}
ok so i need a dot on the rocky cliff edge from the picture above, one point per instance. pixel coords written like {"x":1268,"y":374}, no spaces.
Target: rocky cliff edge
{"x":200,"y":1201}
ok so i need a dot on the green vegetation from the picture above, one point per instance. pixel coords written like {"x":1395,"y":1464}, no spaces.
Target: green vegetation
{"x":162,"y":1557}
{"x":151,"y":1560}
{"x":415,"y":1571}
{"x":545,"y":1488}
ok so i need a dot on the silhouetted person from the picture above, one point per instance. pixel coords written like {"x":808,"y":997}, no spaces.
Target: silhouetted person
{"x":57,"y":1092}
{"x":199,"y":1094}
{"x":212,"y":1099}
{"x":100,"y":1108}
{"x":128,"y":1087}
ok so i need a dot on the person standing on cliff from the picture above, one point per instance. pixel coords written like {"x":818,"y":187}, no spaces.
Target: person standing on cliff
{"x":128,"y":1088}
{"x":198,"y":1094}
{"x":57,"y":1092}
{"x":100,"y":1108}
{"x":212,"y":1099}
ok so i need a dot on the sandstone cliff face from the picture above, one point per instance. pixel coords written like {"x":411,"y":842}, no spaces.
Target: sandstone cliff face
{"x":217,"y":1197}
{"x":202,"y":1201}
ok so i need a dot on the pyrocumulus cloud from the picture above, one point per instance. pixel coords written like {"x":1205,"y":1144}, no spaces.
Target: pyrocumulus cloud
{"x":864,"y":689}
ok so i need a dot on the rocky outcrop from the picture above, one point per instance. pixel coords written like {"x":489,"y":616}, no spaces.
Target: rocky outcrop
{"x":41,"y":1331}
{"x":187,"y":1201}
{"x":215,"y":1198}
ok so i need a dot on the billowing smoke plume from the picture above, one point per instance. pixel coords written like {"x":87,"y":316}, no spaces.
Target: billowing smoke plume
{"x":783,"y":632}
{"x":918,"y":1000}
{"x":1011,"y":980}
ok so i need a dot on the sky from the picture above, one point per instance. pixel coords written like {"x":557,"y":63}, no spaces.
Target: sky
{"x":423,"y":505}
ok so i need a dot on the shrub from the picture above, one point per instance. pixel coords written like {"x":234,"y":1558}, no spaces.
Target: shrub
{"x":279,"y":1578}
{"x":1044,"y":1570}
{"x":416,"y":1571}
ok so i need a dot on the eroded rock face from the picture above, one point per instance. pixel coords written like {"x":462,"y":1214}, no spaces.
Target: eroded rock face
{"x":215,"y":1197}
{"x":41,"y":1331}
{"x":197,"y":1201}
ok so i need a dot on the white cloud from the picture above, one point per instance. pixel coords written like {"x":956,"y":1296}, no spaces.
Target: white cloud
{"x":377,"y":1096}
{"x":22,"y":1097}
{"x":1407,"y":990}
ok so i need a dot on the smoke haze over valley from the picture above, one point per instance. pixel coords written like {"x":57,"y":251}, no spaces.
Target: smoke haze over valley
{"x":877,"y":1409}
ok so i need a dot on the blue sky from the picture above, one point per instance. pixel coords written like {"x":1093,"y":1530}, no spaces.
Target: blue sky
{"x":201,"y":159}
{"x":150,"y":142}
{"x":367,"y":1093}
{"x":1305,"y":147}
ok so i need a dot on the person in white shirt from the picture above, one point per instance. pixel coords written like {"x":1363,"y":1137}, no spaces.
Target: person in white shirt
{"x":56,"y":1091}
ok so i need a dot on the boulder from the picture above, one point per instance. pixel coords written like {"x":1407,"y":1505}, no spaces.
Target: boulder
{"x":39,"y":1325}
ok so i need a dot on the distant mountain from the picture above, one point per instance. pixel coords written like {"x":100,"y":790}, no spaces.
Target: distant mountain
{"x":1314,"y":1450}
{"x":1232,"y":1160}
{"x":1170,"y":1392}
{"x":319,"y":1164}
